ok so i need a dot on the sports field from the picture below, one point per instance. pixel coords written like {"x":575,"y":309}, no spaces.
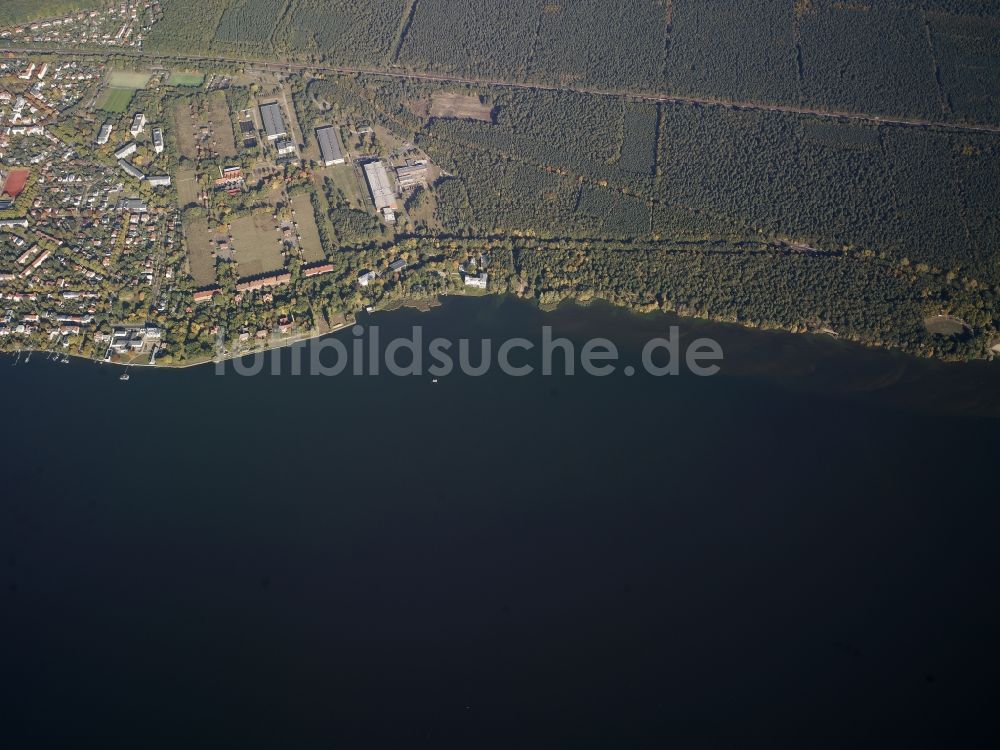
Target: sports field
{"x":127,"y":79}
{"x":184,"y":78}
{"x":115,"y":100}
{"x":15,"y":183}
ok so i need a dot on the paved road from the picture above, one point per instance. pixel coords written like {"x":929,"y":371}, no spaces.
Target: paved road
{"x":267,"y":65}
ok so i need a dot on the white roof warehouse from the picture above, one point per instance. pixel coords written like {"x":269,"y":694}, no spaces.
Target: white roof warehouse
{"x":378,"y":181}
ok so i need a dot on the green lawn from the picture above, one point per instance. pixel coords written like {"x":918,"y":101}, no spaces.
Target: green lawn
{"x":115,"y":99}
{"x":127,"y":79}
{"x":180,"y":78}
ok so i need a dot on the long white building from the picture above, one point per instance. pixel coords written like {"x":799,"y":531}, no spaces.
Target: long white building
{"x":127,"y":150}
{"x":381,"y":189}
{"x":105,"y":134}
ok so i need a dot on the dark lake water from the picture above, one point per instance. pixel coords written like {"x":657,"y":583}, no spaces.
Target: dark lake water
{"x":782,"y":554}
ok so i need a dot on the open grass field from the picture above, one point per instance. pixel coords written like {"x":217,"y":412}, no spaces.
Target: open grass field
{"x":183,"y":78}
{"x":309,"y":242}
{"x":256,"y":245}
{"x":349,"y":180}
{"x":115,"y":100}
{"x":128,"y":79}
{"x":461,"y":106}
{"x":187,"y":187}
{"x":185,"y":129}
{"x":199,"y":247}
{"x":946,"y":325}
{"x":220,"y":123}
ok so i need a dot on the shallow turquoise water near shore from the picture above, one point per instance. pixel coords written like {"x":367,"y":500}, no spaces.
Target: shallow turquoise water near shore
{"x":190,"y":559}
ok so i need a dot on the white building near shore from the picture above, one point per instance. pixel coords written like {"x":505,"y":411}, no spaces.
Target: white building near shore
{"x":478,"y":282}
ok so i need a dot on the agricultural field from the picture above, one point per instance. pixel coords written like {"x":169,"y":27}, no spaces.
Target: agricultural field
{"x":348,"y":183}
{"x":735,"y":51}
{"x":256,"y":244}
{"x":220,"y":124}
{"x":309,"y":241}
{"x":200,"y":248}
{"x":185,"y":129}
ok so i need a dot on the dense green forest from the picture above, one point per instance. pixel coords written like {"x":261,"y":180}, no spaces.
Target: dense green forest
{"x":739,"y":51}
{"x":250,"y":23}
{"x":915,"y":194}
{"x":613,"y":45}
{"x":933,"y":59}
{"x":343,"y":32}
{"x":861,"y":298}
{"x":491,"y":39}
{"x":968,"y":55}
{"x":868,"y":58}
